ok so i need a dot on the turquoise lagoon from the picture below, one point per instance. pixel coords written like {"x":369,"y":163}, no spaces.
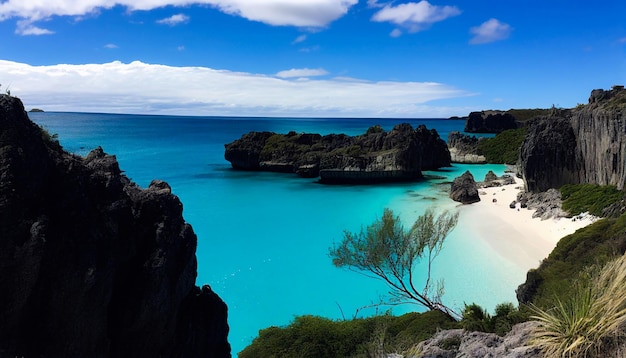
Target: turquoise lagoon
{"x":263,"y":238}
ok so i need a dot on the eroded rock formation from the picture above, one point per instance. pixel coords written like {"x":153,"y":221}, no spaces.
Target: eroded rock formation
{"x":464,"y":189}
{"x":583,"y":145}
{"x":489,"y":122}
{"x":90,"y":264}
{"x":464,"y":148}
{"x":377,"y":156}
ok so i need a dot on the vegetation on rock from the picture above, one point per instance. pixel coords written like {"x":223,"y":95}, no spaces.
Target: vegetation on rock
{"x":504,"y":148}
{"x":313,"y":336}
{"x":580,"y":198}
{"x":591,"y":322}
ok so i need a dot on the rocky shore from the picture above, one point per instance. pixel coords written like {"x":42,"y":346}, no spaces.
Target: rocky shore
{"x":91,"y":265}
{"x":376,"y":156}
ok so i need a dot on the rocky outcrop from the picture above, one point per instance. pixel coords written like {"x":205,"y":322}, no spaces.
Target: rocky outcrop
{"x":458,"y":343}
{"x":376,"y":156}
{"x":464,"y":149}
{"x":546,"y":204}
{"x":91,"y":265}
{"x":583,"y":145}
{"x":489,"y":122}
{"x":464,"y":189}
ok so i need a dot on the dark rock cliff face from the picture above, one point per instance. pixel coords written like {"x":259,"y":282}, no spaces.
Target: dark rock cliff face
{"x":489,"y":122}
{"x":583,"y":145}
{"x":377,"y":156}
{"x":90,"y":264}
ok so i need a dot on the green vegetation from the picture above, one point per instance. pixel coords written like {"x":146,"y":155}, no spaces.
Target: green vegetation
{"x":503,"y":148}
{"x":595,"y":244}
{"x":312,"y":336}
{"x":591,"y":321}
{"x":475,"y":318}
{"x":374,"y":129}
{"x":581,"y":198}
{"x":385,"y":250}
{"x":523,"y":115}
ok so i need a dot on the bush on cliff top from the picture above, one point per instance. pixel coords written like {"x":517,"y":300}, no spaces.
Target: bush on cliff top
{"x":595,"y":244}
{"x":313,"y":336}
{"x":580,"y":198}
{"x":503,"y":148}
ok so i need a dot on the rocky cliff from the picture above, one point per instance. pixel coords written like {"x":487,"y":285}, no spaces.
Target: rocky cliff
{"x":583,"y":145}
{"x":90,"y":264}
{"x":376,"y":156}
{"x":489,"y":122}
{"x":464,"y":148}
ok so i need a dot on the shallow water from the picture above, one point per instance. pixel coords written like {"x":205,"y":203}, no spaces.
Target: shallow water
{"x":263,"y":238}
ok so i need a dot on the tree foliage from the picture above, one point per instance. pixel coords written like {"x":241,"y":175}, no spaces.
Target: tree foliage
{"x":385,"y":250}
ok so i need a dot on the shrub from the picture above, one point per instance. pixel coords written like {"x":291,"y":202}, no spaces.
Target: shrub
{"x":503,"y":148}
{"x":579,"y":198}
{"x":591,"y":321}
{"x":313,"y":336}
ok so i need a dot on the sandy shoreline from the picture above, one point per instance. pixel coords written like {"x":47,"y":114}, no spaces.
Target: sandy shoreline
{"x":512,"y":233}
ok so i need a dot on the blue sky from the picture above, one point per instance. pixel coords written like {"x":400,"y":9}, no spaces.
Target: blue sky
{"x":319,"y":58}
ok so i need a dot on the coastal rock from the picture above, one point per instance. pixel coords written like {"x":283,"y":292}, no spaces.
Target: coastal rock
{"x":376,"y":156}
{"x":546,"y":204}
{"x":458,"y":343}
{"x":464,"y":189}
{"x":583,"y":145}
{"x":489,"y":122}
{"x":90,"y":264}
{"x":464,"y":149}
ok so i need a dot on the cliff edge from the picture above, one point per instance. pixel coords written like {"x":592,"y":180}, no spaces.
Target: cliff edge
{"x":586,"y":144}
{"x":91,"y":265}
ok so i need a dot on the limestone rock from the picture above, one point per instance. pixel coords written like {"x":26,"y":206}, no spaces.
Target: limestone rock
{"x":464,"y":189}
{"x":458,"y":343}
{"x":464,"y":148}
{"x":90,"y":264}
{"x":583,"y":145}
{"x":376,"y":156}
{"x":489,"y":122}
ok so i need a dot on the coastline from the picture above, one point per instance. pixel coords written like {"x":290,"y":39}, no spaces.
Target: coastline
{"x":514,"y":234}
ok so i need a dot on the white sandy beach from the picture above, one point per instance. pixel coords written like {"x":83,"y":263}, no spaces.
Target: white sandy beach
{"x":513,"y":233}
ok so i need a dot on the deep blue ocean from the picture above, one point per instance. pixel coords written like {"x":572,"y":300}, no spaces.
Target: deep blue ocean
{"x":263,"y":238}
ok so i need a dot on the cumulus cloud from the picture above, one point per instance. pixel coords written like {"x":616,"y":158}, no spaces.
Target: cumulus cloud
{"x":174,"y":20}
{"x":490,"y":31}
{"x":301,"y":13}
{"x":415,"y":16}
{"x":302,"y":72}
{"x":138,"y":87}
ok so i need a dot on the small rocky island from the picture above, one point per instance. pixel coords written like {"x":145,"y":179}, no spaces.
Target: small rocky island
{"x":376,"y":156}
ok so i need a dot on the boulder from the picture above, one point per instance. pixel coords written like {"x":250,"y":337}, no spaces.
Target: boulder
{"x":464,"y":189}
{"x":91,"y":265}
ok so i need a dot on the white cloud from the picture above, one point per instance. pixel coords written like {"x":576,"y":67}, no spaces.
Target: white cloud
{"x":111,"y":46}
{"x":395,"y":33}
{"x":174,"y":20}
{"x":25,"y":27}
{"x":301,"y":13}
{"x":302,"y":72}
{"x":415,"y":16}
{"x":490,"y":31}
{"x":146,"y":88}
{"x":299,"y":39}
